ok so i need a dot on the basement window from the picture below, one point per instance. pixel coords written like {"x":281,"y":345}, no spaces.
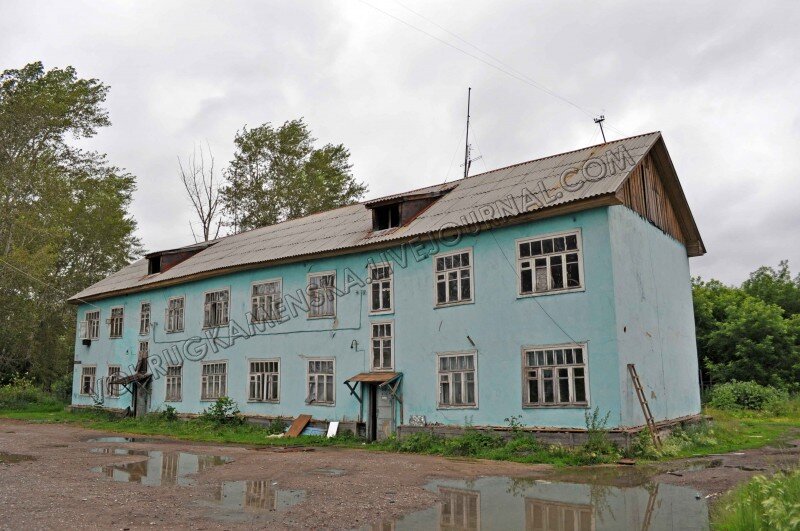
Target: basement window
{"x":555,"y":376}
{"x":386,"y":217}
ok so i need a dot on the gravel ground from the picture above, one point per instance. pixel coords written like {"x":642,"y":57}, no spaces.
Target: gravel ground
{"x":56,"y":486}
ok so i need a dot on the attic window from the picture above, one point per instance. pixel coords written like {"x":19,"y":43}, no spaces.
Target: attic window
{"x":154,"y":265}
{"x":386,"y":217}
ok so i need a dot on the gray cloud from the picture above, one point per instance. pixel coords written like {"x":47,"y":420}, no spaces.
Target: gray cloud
{"x":717,"y":78}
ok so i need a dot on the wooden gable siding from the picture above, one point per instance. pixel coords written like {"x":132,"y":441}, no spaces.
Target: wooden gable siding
{"x":644,"y":193}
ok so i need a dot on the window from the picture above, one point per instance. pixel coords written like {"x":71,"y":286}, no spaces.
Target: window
{"x":266,"y":301}
{"x":214,"y":380}
{"x":460,"y":510}
{"x":115,"y":323}
{"x":457,"y":380}
{"x":320,"y":382}
{"x":381,"y":288}
{"x":382,"y":346}
{"x":87,"y":380}
{"x":322,"y":295}
{"x":112,"y":389}
{"x":554,"y":376}
{"x":264,"y":378}
{"x":92,"y":330}
{"x":386,"y":217}
{"x":142,"y":355}
{"x":144,"y":319}
{"x":549,"y":264}
{"x":215,"y":311}
{"x":454,"y":278}
{"x":174,"y":383}
{"x":174,"y":315}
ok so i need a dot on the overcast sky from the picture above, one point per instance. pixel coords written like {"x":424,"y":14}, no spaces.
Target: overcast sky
{"x":721,"y":80}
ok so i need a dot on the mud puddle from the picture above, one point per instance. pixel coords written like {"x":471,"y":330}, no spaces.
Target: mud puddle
{"x":506,"y":503}
{"x":160,"y":468}
{"x":123,"y":440}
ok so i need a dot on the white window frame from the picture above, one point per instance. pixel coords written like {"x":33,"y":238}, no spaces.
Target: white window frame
{"x":263,"y":382}
{"x":471,"y":267}
{"x":173,"y":380}
{"x":205,"y":397}
{"x":94,"y":380}
{"x":275,"y":314}
{"x":381,"y":285}
{"x":168,"y":328}
{"x":111,"y":324}
{"x":550,"y":291}
{"x":227,"y":320}
{"x":332,"y":289}
{"x":572,"y":403}
{"x":145,"y":318}
{"x":373,"y":338}
{"x":308,"y":378}
{"x":112,"y":390}
{"x":92,"y":330}
{"x":439,"y":372}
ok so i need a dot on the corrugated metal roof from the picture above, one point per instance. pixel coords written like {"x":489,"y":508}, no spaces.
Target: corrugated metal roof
{"x":349,"y":227}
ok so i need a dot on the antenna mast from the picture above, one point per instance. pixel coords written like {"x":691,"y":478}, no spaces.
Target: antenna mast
{"x":466,"y":147}
{"x":598,"y":121}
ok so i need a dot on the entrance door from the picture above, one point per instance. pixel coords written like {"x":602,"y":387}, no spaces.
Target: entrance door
{"x":141,"y":399}
{"x":385,"y":413}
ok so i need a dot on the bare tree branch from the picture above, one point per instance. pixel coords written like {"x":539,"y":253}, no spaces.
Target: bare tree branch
{"x":202,"y":187}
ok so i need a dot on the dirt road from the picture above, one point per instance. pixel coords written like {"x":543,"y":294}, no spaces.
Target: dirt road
{"x":57,"y":476}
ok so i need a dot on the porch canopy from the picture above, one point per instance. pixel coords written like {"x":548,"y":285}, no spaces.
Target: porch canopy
{"x":381,"y":379}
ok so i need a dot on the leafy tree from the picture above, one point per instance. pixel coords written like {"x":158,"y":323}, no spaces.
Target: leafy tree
{"x":750,"y":333}
{"x":776,"y":287}
{"x":63,"y":214}
{"x":277,"y":174}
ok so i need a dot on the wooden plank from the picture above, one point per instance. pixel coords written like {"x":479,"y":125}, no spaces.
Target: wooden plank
{"x":298,"y":425}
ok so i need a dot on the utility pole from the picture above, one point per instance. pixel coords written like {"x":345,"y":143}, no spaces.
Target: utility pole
{"x":598,"y":121}
{"x":466,"y":147}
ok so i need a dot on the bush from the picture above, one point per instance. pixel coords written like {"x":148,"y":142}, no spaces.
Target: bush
{"x":747,"y":396}
{"x":275,"y":427}
{"x":472,"y":443}
{"x":62,"y":388}
{"x":762,"y":503}
{"x":22,"y":392}
{"x":169,"y":414}
{"x":598,"y":447}
{"x":223,"y":411}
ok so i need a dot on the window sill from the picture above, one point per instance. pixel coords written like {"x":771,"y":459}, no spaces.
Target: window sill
{"x":551,"y":292}
{"x":215,"y":327}
{"x":174,"y":331}
{"x":466,"y":406}
{"x":556,"y":406}
{"x":114,"y":337}
{"x":382,"y":312}
{"x":382,"y":369}
{"x":448,"y":304}
{"x":323,"y":404}
{"x":173,"y":400}
{"x":255,"y":401}
{"x":318,"y":317}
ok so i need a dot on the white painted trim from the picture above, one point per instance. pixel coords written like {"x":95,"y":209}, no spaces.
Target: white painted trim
{"x":436,"y":256}
{"x":335,"y":296}
{"x":230,"y":305}
{"x":477,"y":379}
{"x":390,"y":309}
{"x":320,"y":358}
{"x":280,"y":378}
{"x":571,"y":405}
{"x":166,"y":314}
{"x":372,"y":368}
{"x":203,"y":364}
{"x":279,"y":280}
{"x":518,"y":290}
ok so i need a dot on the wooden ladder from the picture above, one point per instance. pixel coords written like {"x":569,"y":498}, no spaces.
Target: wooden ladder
{"x":648,"y":415}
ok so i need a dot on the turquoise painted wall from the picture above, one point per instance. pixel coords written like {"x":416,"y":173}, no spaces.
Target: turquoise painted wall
{"x":498,"y":322}
{"x":655,"y":319}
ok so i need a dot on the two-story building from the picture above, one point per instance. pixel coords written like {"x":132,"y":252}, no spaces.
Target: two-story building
{"x":521,"y":292}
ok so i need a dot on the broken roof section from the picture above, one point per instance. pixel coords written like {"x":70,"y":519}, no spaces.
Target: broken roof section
{"x":549,"y":186}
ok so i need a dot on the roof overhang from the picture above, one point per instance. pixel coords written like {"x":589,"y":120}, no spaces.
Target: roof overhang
{"x":374,"y":377}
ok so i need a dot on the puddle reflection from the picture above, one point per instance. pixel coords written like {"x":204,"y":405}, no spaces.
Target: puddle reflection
{"x":160,"y":468}
{"x":504,"y":503}
{"x":120,"y":440}
{"x":256,"y":495}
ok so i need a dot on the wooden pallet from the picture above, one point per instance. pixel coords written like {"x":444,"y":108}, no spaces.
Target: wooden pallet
{"x":648,"y":415}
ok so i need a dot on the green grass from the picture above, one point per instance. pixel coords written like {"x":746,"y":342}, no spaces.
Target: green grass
{"x":761,"y":504}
